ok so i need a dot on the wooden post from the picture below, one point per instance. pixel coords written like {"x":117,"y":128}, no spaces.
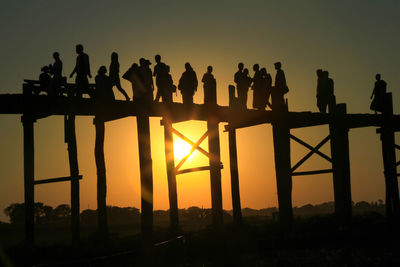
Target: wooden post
{"x":101,"y":178}
{"x":389,"y":161}
{"x":172,"y":190}
{"x":29,"y":199}
{"x":237,"y":211}
{"x":146,"y":173}
{"x":215,"y":172}
{"x":281,"y":135}
{"x":70,"y":138}
{"x":341,"y":164}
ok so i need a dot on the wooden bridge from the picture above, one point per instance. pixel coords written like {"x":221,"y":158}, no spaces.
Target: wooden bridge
{"x":33,"y":107}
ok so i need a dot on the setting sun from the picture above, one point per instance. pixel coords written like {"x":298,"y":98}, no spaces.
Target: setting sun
{"x":181,"y":149}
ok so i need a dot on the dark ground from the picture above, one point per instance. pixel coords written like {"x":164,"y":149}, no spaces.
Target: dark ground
{"x":314,"y":241}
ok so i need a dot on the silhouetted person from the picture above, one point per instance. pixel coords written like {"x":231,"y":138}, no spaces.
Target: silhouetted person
{"x":258,"y":88}
{"x":169,"y":88}
{"x":210,"y":87}
{"x":114,"y":75}
{"x":104,"y":86}
{"x":188,"y":84}
{"x":146,"y":78}
{"x":56,"y":71}
{"x":161,"y":74}
{"x":329,"y":90}
{"x":82,"y":70}
{"x":45,"y":80}
{"x":243,"y":88}
{"x":378,"y":94}
{"x":280,"y":87}
{"x":268,"y":85}
{"x":322,"y":100}
{"x":132,"y":75}
{"x":241,"y":85}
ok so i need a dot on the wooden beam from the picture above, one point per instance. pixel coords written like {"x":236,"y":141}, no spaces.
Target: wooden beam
{"x":171,"y":175}
{"x":101,"y":178}
{"x":341,"y":164}
{"x":194,"y":147}
{"x":194,"y":169}
{"x":29,"y":173}
{"x":313,"y":150}
{"x":215,"y":172}
{"x":146,"y":175}
{"x":237,"y":210}
{"x":75,"y":177}
{"x":193,"y":144}
{"x":312,"y":172}
{"x":298,"y":140}
{"x":55,"y":180}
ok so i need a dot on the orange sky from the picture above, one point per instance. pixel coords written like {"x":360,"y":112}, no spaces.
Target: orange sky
{"x":353,"y":41}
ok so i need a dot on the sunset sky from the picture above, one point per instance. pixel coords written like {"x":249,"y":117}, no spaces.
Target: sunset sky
{"x":353,"y":40}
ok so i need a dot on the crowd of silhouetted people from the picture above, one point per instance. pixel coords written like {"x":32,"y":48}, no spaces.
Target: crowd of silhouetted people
{"x":140,"y":75}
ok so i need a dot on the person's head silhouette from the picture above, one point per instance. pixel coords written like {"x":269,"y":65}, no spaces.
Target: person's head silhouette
{"x":79,"y":49}
{"x":378,"y":77}
{"x":102,"y":70}
{"x":325,"y":74}
{"x":209,"y":69}
{"x":263,"y":71}
{"x":319,"y":73}
{"x":157,"y":58}
{"x":240,"y":66}
{"x":142,"y":62}
{"x":277,"y":65}
{"x":56,"y":55}
{"x":246,"y":72}
{"x":256,"y":67}
{"x":187,"y":66}
{"x":114,"y":56}
{"x":46,"y":69}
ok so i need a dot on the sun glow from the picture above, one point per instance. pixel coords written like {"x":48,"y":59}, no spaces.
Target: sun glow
{"x":181,"y":149}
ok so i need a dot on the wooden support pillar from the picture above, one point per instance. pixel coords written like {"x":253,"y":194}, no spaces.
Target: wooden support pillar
{"x":70,"y":139}
{"x":341,"y":164}
{"x":237,"y":211}
{"x":101,"y":178}
{"x":172,"y":190}
{"x":281,"y":135}
{"x":215,"y":172}
{"x":29,"y":192}
{"x":146,"y":173}
{"x":389,"y":161}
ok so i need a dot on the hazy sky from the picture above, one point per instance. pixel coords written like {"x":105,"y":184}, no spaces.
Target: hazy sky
{"x":354,"y":40}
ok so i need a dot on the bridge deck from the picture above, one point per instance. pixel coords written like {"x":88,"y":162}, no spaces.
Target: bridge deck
{"x":43,"y":106}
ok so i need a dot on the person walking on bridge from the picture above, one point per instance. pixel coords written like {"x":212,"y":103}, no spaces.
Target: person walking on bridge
{"x":82,"y":70}
{"x":56,"y":71}
{"x":161,"y":74}
{"x":188,"y":84}
{"x":114,"y":75}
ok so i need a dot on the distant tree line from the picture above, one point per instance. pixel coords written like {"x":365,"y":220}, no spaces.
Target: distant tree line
{"x":194,"y":216}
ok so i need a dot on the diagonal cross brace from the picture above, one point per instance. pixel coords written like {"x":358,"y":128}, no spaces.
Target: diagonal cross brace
{"x":313,"y":150}
{"x":194,"y":147}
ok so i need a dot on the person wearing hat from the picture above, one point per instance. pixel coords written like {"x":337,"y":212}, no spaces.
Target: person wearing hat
{"x":280,"y":87}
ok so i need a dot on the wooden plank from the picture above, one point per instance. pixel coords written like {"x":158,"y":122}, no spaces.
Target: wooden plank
{"x":194,"y":169}
{"x":312,"y":172}
{"x":298,"y":140}
{"x":55,"y":180}
{"x":187,"y":140}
